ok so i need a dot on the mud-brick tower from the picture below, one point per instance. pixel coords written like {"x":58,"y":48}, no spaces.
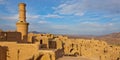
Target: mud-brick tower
{"x":22,"y":25}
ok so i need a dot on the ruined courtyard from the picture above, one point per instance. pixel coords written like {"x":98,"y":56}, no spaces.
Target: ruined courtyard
{"x":21,"y":45}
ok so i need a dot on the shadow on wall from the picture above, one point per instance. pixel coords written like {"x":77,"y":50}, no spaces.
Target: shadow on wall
{"x":3,"y":52}
{"x":39,"y":57}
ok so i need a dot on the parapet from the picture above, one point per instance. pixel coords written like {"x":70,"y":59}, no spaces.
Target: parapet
{"x":10,"y":36}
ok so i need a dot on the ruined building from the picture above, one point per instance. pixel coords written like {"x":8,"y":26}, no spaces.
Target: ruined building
{"x":18,"y":45}
{"x":21,"y":45}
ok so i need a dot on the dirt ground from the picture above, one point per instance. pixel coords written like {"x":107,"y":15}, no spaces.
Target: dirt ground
{"x":75,"y":58}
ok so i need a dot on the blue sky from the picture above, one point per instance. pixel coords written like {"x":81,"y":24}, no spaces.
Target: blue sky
{"x":79,"y":17}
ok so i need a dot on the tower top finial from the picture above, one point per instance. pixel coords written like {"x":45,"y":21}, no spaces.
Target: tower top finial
{"x":22,"y":12}
{"x":22,"y":4}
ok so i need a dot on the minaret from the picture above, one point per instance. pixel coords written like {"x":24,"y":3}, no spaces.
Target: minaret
{"x":22,"y":25}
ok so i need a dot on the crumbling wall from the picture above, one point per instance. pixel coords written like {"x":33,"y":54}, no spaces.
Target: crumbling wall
{"x":92,"y":48}
{"x":18,"y":51}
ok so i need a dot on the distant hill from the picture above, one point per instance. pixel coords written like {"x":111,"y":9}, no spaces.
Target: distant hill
{"x":81,"y":36}
{"x":36,"y":32}
{"x":113,"y":38}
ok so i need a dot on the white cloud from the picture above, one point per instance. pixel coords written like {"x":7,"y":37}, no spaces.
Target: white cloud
{"x":68,"y":8}
{"x":60,"y":26}
{"x":80,"y":7}
{"x":52,"y":16}
{"x":97,"y":28}
{"x":10,"y":17}
{"x":16,"y":17}
{"x":32,"y":17}
{"x":77,"y":8}
{"x":43,"y":22}
{"x":96,"y":25}
{"x":2,"y":1}
{"x":83,"y":28}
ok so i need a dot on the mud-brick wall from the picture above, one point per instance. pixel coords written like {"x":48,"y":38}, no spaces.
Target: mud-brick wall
{"x":3,"y":52}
